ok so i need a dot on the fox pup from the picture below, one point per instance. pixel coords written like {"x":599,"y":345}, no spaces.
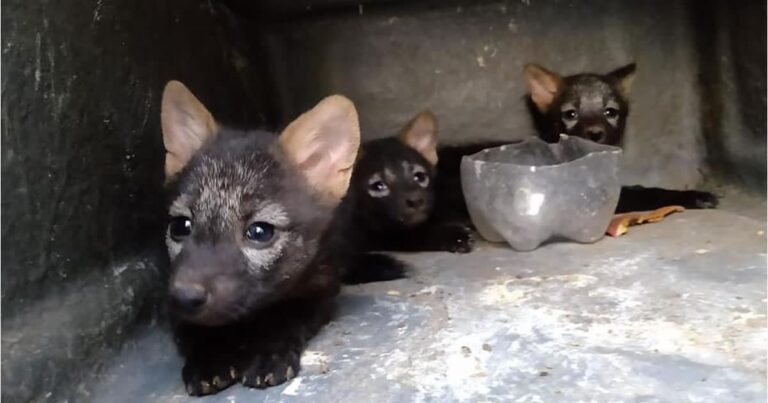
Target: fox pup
{"x":596,"y":107}
{"x":251,"y":238}
{"x":393,"y":190}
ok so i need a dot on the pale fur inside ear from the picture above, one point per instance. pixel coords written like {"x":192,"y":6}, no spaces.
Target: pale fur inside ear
{"x":322,"y":143}
{"x":420,"y":133}
{"x":543,"y":85}
{"x":186,"y":125}
{"x":623,"y":78}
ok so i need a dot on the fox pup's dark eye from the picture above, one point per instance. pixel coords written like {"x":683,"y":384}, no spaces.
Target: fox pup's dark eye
{"x":570,"y":114}
{"x":611,"y":112}
{"x":260,"y":232}
{"x":420,"y":177}
{"x":180,"y":227}
{"x":378,"y":186}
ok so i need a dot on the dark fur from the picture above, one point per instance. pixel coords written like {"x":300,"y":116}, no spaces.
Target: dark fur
{"x":638,"y":198}
{"x":370,"y":267}
{"x":589,"y":96}
{"x":389,"y":222}
{"x":256,"y":237}
{"x":264,"y":319}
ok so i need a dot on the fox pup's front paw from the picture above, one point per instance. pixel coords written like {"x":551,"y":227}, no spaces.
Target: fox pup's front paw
{"x":205,"y":378}
{"x":271,"y":369}
{"x":700,"y":200}
{"x":457,"y":238}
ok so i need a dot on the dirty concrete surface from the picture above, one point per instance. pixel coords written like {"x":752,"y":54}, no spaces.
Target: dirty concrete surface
{"x":670,"y":312}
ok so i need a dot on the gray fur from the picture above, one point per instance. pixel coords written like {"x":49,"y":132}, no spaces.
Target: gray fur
{"x":238,"y":180}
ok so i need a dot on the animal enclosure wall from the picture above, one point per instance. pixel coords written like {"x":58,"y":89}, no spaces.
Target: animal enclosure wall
{"x":82,"y":197}
{"x":464,"y":61}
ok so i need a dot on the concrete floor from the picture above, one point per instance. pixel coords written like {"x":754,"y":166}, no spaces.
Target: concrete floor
{"x":671,"y":312}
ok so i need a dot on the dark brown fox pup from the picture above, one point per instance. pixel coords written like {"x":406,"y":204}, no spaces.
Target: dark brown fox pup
{"x":252,"y":238}
{"x":596,"y":107}
{"x":393,"y":192}
{"x":591,"y":106}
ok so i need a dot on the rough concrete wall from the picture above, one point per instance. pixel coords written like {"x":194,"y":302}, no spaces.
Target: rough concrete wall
{"x":465,"y":62}
{"x":731,"y":45}
{"x":82,"y":163}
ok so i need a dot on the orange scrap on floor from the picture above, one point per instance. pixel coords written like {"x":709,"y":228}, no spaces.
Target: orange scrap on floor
{"x":621,"y":222}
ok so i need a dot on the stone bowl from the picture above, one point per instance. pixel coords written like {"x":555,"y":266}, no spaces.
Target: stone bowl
{"x":532,"y":192}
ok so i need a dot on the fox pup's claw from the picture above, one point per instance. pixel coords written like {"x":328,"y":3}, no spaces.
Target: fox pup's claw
{"x":459,"y":239}
{"x":205,"y":378}
{"x":702,"y":200}
{"x":270,"y":370}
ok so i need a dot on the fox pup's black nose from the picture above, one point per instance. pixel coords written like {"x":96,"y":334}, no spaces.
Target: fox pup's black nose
{"x":596,"y":134}
{"x":188,"y":298}
{"x":414,"y":202}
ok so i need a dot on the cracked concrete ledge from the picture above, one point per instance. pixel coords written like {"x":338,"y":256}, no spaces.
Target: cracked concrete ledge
{"x":671,"y":312}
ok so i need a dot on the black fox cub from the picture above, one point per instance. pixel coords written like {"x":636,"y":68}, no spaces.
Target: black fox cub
{"x":596,"y":107}
{"x":393,"y":193}
{"x":251,"y":238}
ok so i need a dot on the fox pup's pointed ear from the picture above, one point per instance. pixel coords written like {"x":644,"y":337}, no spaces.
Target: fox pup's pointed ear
{"x":323,"y":144}
{"x":543,"y":85}
{"x":186,"y":125}
{"x":622,"y":78}
{"x":420,"y":133}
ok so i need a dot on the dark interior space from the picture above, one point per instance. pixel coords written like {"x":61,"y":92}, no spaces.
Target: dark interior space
{"x":83,"y":205}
